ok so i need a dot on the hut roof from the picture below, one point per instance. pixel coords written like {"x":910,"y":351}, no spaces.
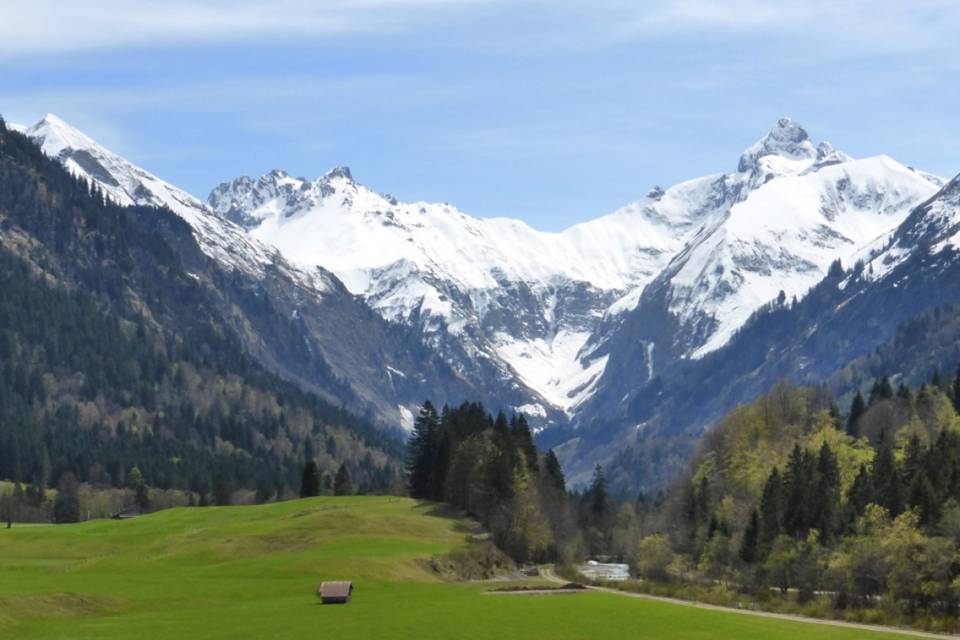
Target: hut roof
{"x":336,"y":589}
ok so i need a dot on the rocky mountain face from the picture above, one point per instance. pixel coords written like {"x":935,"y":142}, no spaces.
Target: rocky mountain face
{"x":300,"y":321}
{"x":893,"y":312}
{"x":494,"y":297}
{"x":601,"y":333}
{"x":123,"y":344}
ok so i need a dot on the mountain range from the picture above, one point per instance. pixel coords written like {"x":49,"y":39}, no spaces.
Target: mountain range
{"x":621,"y":338}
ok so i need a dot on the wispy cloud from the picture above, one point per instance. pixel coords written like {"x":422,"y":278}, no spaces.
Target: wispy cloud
{"x":43,"y":27}
{"x":53,"y":26}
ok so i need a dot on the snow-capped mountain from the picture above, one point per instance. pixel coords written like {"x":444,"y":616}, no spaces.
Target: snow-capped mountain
{"x":788,"y":212}
{"x":357,"y":358}
{"x":505,"y":293}
{"x":792,"y":210}
{"x":574,"y":328}
{"x":806,"y":208}
{"x":127,"y":184}
{"x":543,"y":309}
{"x":894,"y":312}
{"x":932,"y":228}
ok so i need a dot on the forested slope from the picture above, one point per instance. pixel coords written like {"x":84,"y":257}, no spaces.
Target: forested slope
{"x":120,"y":345}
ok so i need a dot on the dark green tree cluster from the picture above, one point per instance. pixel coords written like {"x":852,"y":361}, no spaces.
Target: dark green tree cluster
{"x":489,"y":467}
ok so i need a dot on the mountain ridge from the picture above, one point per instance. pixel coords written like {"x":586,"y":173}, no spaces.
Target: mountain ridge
{"x":575,"y":328}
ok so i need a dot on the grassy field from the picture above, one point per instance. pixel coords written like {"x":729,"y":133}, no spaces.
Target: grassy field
{"x":251,"y":572}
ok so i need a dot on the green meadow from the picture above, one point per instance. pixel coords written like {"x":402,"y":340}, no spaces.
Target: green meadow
{"x":251,"y":572}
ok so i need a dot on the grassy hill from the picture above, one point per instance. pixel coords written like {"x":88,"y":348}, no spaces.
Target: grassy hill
{"x":251,"y":572}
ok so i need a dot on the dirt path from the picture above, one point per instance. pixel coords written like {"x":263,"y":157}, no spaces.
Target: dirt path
{"x":549,"y":575}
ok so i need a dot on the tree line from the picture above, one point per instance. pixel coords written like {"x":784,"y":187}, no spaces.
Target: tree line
{"x":490,"y":467}
{"x":849,"y":512}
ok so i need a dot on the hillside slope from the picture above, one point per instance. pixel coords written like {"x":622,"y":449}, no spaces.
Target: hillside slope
{"x":122,"y":344}
{"x":300,"y":322}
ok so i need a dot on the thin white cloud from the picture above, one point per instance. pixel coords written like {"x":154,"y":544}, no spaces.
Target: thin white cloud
{"x":54,"y":26}
{"x":40,"y":27}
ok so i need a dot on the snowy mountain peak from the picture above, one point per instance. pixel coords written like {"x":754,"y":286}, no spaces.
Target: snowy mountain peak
{"x":127,"y":184}
{"x":55,"y":136}
{"x":787,"y":140}
{"x":826,"y":154}
{"x":339,"y":172}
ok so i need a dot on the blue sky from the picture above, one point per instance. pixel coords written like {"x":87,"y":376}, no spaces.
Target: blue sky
{"x":550,"y":111}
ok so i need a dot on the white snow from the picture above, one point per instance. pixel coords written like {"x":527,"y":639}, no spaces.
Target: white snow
{"x":785,"y":234}
{"x":424,"y":260}
{"x":126,"y":184}
{"x":532,"y":410}
{"x":726,"y":243}
{"x":649,"y":352}
{"x":555,"y":368}
{"x":406,"y":418}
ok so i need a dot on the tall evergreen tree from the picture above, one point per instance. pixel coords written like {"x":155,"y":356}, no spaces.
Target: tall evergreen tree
{"x":599,"y":499}
{"x":523,"y":439}
{"x":798,"y":487}
{"x":857,"y":407}
{"x":860,"y":495}
{"x":924,"y":499}
{"x":421,"y":451}
{"x":881,"y":390}
{"x":310,"y":480}
{"x":771,"y":511}
{"x":886,"y":479}
{"x":342,"y":484}
{"x":826,"y":500}
{"x":751,"y":537}
{"x":552,"y":471}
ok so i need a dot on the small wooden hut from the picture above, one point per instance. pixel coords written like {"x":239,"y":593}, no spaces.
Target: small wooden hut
{"x":336,"y":592}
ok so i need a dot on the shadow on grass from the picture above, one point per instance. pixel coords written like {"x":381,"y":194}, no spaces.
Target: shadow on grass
{"x":463,"y":523}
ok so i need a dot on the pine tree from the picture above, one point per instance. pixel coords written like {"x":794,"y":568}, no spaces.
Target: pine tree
{"x":913,"y":460}
{"x":798,"y":490}
{"x":860,"y":495}
{"x":771,"y":511}
{"x":924,"y":499}
{"x":826,"y":505}
{"x":421,"y":452}
{"x":599,"y":500}
{"x":857,"y":407}
{"x":748,"y":546}
{"x":310,"y":480}
{"x":443,"y":455}
{"x":881,"y":390}
{"x":523,"y":440}
{"x":886,"y":480}
{"x":342,"y":485}
{"x":552,"y":472}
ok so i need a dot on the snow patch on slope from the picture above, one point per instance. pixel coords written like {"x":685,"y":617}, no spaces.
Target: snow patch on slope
{"x":555,"y":367}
